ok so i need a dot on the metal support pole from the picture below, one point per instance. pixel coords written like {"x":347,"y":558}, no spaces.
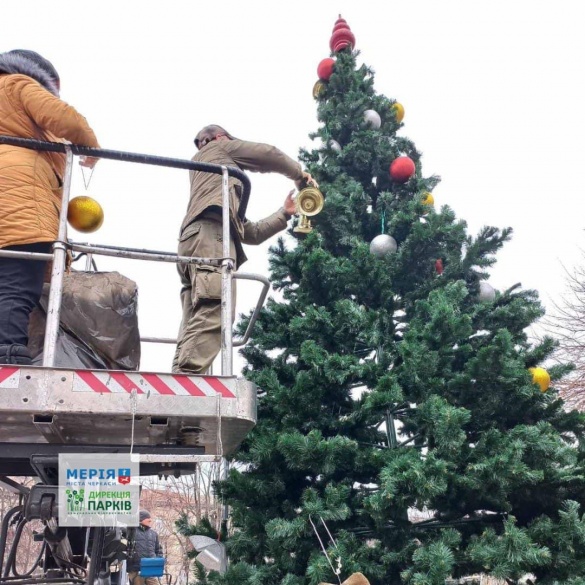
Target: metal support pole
{"x":226,"y":282}
{"x":225,"y":512}
{"x":59,"y":258}
{"x":136,"y":254}
{"x":25,"y":255}
{"x":265,"y":288}
{"x":391,"y":430}
{"x":88,"y":261}
{"x":226,"y":308}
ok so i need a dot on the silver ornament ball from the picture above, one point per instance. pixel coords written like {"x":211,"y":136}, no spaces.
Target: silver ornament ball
{"x":383,"y":245}
{"x":334,"y":145}
{"x":487,"y":293}
{"x":372,"y":118}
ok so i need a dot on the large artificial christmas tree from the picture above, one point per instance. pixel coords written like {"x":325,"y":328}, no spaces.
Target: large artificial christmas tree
{"x":401,"y":423}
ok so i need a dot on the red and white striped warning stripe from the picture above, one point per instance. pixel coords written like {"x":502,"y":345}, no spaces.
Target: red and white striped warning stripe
{"x":9,"y":377}
{"x":122,"y":382}
{"x":164,"y":384}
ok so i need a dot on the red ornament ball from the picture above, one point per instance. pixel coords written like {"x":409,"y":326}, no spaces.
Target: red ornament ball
{"x":401,"y":169}
{"x":325,"y":68}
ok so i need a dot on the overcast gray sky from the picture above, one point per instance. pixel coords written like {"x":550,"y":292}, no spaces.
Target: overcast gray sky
{"x":492,"y":90}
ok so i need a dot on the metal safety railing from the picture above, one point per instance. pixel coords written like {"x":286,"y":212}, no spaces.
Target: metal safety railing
{"x":61,"y":245}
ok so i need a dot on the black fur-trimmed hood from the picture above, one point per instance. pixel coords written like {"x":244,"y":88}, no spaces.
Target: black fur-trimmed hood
{"x":11,"y":63}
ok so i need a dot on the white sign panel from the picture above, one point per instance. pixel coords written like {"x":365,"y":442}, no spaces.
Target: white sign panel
{"x":98,"y":489}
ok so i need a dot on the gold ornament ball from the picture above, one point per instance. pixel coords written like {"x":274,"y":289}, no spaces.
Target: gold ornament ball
{"x":85,"y":214}
{"x":428,"y":199}
{"x":398,"y":110}
{"x":318,"y":88}
{"x":540,"y":376}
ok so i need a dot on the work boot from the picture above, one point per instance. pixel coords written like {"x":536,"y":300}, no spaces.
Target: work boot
{"x":15,"y":354}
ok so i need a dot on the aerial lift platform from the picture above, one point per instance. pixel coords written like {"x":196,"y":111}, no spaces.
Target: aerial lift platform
{"x":172,"y":421}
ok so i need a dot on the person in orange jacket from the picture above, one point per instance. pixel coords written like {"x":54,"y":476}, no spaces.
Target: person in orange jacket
{"x":30,"y":186}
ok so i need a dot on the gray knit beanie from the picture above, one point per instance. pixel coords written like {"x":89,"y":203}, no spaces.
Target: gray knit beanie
{"x":144,"y":514}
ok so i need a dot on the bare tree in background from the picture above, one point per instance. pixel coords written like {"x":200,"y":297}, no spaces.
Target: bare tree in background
{"x":567,"y":324}
{"x":168,"y":499}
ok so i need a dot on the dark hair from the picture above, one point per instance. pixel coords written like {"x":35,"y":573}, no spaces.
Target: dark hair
{"x":209,"y":133}
{"x":39,"y":60}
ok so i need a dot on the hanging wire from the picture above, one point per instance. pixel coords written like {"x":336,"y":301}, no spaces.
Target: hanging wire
{"x":336,"y":571}
{"x":133,"y":400}
{"x":88,"y":181}
{"x":219,"y":440}
{"x":223,"y":468}
{"x":383,"y":221}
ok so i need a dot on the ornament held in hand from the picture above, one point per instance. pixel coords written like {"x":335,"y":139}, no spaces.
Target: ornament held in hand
{"x":383,"y":245}
{"x":85,"y":214}
{"x":309,"y":202}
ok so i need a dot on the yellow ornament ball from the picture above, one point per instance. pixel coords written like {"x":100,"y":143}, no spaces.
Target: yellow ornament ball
{"x":398,"y":110}
{"x":85,"y":214}
{"x":428,"y":199}
{"x":541,"y":377}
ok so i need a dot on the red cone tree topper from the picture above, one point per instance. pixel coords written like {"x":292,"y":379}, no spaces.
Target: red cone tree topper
{"x":342,"y":36}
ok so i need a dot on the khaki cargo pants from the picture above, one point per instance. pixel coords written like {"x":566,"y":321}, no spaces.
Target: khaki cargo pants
{"x":199,"y":339}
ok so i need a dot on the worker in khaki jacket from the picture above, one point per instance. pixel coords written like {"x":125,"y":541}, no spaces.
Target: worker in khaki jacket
{"x":201,"y":236}
{"x":30,"y":186}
